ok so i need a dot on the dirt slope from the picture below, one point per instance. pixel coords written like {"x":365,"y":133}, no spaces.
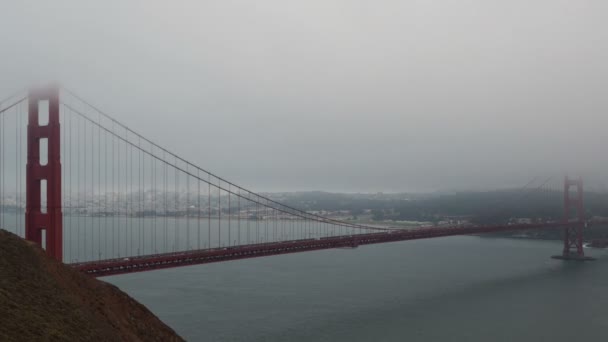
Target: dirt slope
{"x":44,"y":300}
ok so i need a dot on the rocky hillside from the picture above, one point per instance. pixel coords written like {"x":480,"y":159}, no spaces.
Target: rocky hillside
{"x":44,"y":300}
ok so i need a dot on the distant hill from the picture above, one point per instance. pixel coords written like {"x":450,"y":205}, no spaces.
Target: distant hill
{"x":44,"y":300}
{"x":484,"y":207}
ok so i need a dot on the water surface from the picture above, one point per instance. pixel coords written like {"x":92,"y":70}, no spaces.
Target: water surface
{"x":447,"y":289}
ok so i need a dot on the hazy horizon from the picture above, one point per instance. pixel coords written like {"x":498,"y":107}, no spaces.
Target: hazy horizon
{"x":339,"y":96}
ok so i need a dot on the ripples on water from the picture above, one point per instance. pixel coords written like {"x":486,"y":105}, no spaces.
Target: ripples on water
{"x":447,"y":289}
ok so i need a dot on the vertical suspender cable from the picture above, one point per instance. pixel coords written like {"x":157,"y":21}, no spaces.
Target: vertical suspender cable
{"x":265,"y":218}
{"x":63,"y":172}
{"x":166,"y":218}
{"x":18,"y":169}
{"x":187,"y":209}
{"x":126,"y":206}
{"x":198,"y":206}
{"x":176,"y":226}
{"x":139,"y":213}
{"x":229,"y":213}
{"x":99,"y":187}
{"x":21,"y":225}
{"x":70,"y":176}
{"x":113,"y":200}
{"x":105,"y":205}
{"x":209,"y":211}
{"x":239,"y":217}
{"x":219,"y":213}
{"x":16,"y":173}
{"x":77,"y":202}
{"x":131,"y":199}
{"x":115,"y":190}
{"x":91,"y":206}
{"x":84,"y":186}
{"x":154,"y":190}
{"x":140,"y":182}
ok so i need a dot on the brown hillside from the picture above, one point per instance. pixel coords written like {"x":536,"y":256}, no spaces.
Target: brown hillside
{"x":44,"y":300}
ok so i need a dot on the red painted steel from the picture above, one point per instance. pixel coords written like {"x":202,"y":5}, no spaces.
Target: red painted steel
{"x":573,"y":232}
{"x":50,"y":221}
{"x":37,"y":221}
{"x":170,"y":260}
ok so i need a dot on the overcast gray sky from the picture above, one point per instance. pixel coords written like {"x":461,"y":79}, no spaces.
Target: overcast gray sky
{"x":336,"y":95}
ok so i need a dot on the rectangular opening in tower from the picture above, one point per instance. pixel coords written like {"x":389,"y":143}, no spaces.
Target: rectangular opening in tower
{"x":44,"y":151}
{"x":43,"y":113}
{"x":43,"y":239}
{"x":43,"y":208}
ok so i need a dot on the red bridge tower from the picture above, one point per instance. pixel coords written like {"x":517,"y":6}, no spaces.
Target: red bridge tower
{"x":574,"y":216}
{"x":39,"y":219}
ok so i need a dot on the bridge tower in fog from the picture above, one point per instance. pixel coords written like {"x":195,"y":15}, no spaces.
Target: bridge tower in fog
{"x":44,"y":216}
{"x":574,"y":218}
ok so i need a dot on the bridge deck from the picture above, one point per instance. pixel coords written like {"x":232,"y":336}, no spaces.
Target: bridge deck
{"x":170,"y":260}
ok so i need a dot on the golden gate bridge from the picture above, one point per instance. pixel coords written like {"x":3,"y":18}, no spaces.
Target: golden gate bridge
{"x":106,"y":200}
